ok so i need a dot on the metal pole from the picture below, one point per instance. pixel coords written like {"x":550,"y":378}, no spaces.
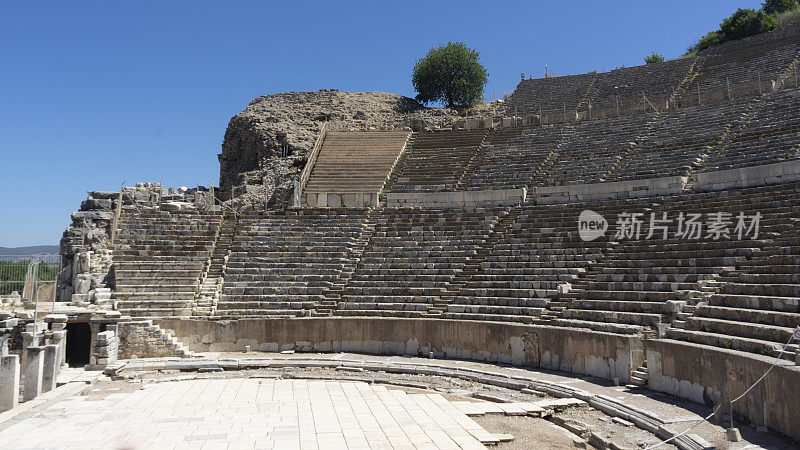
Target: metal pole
{"x":759,"y":81}
{"x":35,"y":293}
{"x":728,"y":82}
{"x":55,"y":286}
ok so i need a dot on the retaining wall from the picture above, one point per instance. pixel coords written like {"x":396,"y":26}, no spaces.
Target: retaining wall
{"x":580,"y":351}
{"x":456,"y":198}
{"x":711,"y":375}
{"x":340,"y":200}
{"x":782,"y":172}
{"x":570,"y":193}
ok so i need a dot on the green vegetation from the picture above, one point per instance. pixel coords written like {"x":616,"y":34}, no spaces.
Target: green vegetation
{"x":749,"y":22}
{"x":788,"y":17}
{"x":746,"y":22}
{"x":12,"y":275}
{"x":451,"y":74}
{"x":779,"y":6}
{"x":654,"y":58}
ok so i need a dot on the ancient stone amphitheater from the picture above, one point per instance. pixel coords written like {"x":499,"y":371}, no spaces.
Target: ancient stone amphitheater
{"x":471,"y":242}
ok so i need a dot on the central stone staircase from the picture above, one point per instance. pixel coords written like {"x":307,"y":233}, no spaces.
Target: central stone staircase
{"x":354,"y":162}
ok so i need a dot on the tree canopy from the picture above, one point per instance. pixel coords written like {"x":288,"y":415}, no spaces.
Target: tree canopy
{"x":451,"y":74}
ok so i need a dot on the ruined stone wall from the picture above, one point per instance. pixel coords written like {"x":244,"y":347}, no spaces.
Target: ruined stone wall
{"x":86,"y":247}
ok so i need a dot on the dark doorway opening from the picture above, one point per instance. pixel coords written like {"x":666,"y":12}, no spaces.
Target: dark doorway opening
{"x":79,"y":343}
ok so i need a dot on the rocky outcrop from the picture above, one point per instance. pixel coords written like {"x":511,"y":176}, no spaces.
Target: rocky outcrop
{"x":267,"y":144}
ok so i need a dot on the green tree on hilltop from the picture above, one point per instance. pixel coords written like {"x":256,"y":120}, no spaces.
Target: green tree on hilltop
{"x":451,"y":74}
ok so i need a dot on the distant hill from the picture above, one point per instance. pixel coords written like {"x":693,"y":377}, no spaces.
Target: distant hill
{"x":32,"y":250}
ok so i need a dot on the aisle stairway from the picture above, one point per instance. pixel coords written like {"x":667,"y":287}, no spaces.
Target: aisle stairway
{"x":355,"y":161}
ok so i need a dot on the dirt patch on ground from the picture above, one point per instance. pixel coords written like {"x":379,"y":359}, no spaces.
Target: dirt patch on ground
{"x":104,"y":388}
{"x":528,"y":432}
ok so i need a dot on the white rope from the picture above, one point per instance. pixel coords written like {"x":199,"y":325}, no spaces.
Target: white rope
{"x":778,"y":358}
{"x":780,"y":355}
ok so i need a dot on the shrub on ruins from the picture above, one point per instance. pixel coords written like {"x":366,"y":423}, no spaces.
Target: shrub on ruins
{"x":451,"y":74}
{"x":710,"y":39}
{"x":742,"y":23}
{"x":779,"y":6}
{"x":746,"y":22}
{"x":654,"y":58}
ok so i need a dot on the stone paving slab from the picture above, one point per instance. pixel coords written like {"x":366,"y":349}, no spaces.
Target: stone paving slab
{"x":250,"y":413}
{"x":649,"y":411}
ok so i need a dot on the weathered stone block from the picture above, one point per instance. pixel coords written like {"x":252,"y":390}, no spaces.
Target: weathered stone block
{"x":50,"y":367}
{"x":34,"y":366}
{"x":9,"y":382}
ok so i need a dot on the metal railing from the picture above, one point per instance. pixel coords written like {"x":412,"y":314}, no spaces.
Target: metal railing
{"x":28,"y":274}
{"x":312,"y":159}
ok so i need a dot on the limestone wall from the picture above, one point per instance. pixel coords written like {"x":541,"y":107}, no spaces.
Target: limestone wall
{"x":711,"y":375}
{"x":338,"y":200}
{"x":783,"y":172}
{"x":574,"y":350}
{"x":570,"y":193}
{"x":456,"y":198}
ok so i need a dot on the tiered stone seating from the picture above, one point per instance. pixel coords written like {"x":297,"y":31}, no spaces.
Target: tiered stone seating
{"x":656,"y":81}
{"x":758,"y":303}
{"x":737,"y":63}
{"x":771,"y":134}
{"x":436,"y":161}
{"x":740,"y":63}
{"x":159,"y":260}
{"x":593,"y":151}
{"x":679,"y":140}
{"x":514,"y":162}
{"x":532,"y":252}
{"x":355,"y":161}
{"x":282,"y":264}
{"x":642,"y":283}
{"x":411,"y":256}
{"x":549,"y":93}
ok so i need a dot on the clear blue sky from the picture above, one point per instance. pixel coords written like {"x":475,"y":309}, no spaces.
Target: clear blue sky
{"x":96,"y":93}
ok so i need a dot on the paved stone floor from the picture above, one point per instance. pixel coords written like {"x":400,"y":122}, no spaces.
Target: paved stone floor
{"x":248,"y":413}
